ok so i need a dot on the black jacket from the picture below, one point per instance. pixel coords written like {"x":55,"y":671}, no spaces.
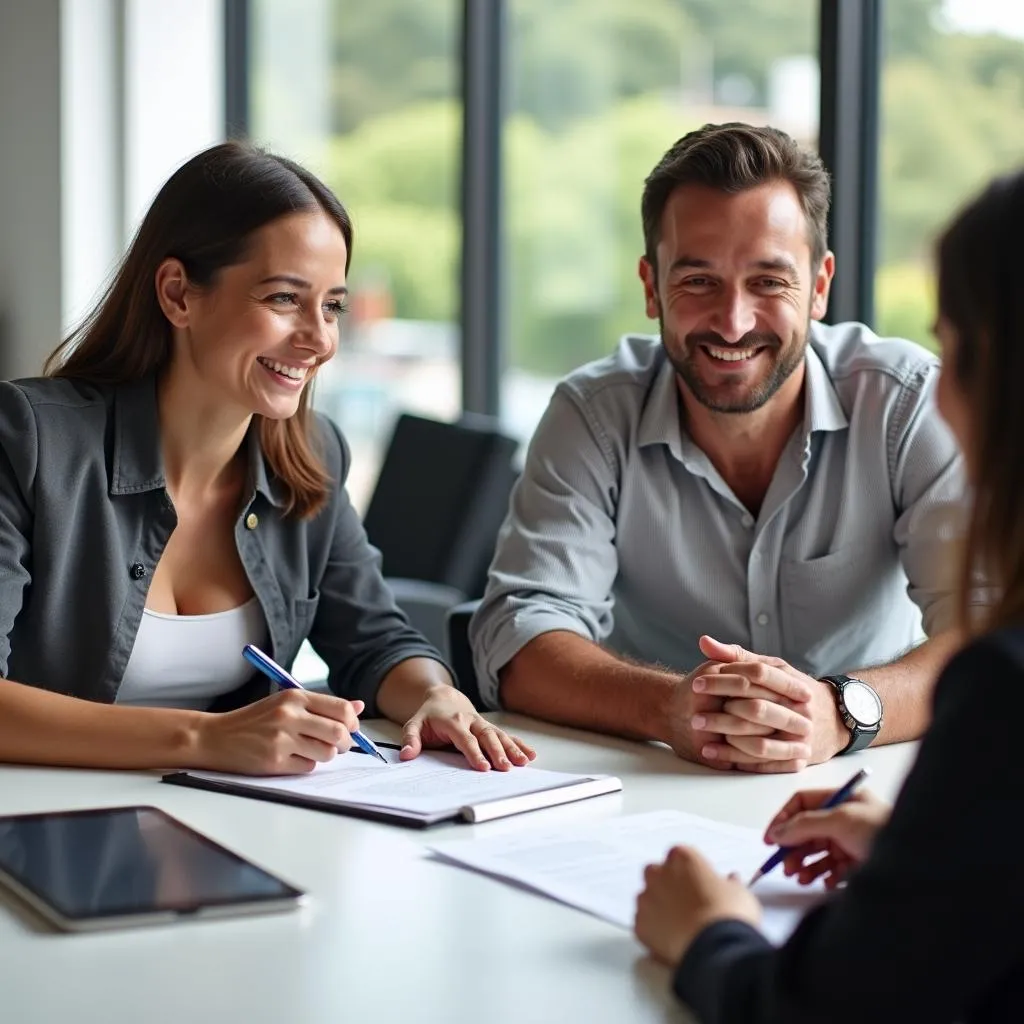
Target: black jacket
{"x":931,"y":928}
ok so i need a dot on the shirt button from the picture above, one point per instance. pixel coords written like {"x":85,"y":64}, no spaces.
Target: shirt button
{"x":138,"y":570}
{"x":762,"y":619}
{"x":747,"y":520}
{"x":252,"y":521}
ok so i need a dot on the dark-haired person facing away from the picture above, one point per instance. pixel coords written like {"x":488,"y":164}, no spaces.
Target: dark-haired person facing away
{"x":928,"y":927}
{"x":167,"y":496}
{"x":750,"y":475}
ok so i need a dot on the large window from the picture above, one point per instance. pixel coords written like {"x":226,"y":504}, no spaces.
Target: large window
{"x":952,"y":115}
{"x":364,"y":92}
{"x":597,"y":92}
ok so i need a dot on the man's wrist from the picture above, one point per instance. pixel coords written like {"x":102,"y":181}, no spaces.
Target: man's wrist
{"x":837,"y":735}
{"x":859,"y":708}
{"x":658,"y":710}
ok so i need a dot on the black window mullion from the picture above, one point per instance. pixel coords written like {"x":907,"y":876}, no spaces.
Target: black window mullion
{"x":850,"y":55}
{"x":237,"y":48}
{"x":482,"y":59}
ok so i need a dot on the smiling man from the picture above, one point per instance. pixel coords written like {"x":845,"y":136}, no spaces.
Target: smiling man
{"x":731,"y":537}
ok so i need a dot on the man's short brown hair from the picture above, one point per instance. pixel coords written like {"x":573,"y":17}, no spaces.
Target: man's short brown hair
{"x":735,"y":157}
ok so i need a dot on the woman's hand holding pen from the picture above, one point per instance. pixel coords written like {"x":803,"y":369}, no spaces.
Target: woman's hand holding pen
{"x":290,"y":731}
{"x":827,"y":843}
{"x":286,"y":733}
{"x":835,"y":829}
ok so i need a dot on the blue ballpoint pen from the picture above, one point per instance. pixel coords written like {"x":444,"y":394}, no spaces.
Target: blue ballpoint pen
{"x":841,"y":795}
{"x":284,"y":678}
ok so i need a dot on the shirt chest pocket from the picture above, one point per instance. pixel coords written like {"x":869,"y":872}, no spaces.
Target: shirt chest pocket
{"x":836,"y":608}
{"x":303,"y":614}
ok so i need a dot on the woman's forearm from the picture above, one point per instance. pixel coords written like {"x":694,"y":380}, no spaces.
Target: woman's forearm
{"x":407,"y":685}
{"x":40,"y":727}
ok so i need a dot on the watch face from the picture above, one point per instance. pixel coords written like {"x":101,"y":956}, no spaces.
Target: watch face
{"x":862,"y":703}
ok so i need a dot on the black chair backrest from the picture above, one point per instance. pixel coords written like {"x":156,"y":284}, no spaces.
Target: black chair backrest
{"x":460,"y":654}
{"x":440,"y":499}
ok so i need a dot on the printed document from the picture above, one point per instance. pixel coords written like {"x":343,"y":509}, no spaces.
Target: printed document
{"x":599,"y":867}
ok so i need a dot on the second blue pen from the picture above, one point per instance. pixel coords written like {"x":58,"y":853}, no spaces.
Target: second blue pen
{"x":284,"y":678}
{"x":839,"y":796}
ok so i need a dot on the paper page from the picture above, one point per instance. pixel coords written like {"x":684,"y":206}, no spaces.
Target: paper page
{"x":429,"y":785}
{"x":599,"y":867}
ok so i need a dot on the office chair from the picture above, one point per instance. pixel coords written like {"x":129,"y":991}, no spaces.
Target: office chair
{"x":460,"y":654}
{"x":435,"y":511}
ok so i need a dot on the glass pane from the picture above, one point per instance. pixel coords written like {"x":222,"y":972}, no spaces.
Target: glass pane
{"x":952,"y":116}
{"x":366,"y":95}
{"x":599,"y":90}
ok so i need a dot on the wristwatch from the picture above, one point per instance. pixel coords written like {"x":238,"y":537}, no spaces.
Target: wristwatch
{"x":860,"y":708}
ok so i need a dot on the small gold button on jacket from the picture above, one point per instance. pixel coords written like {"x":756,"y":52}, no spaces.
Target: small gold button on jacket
{"x":252,"y":521}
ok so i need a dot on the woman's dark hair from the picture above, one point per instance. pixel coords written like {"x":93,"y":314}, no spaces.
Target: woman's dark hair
{"x":734,"y":157}
{"x":980,"y":269}
{"x":205,"y":216}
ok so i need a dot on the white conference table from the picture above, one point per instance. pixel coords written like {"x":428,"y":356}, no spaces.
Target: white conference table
{"x":389,"y":934}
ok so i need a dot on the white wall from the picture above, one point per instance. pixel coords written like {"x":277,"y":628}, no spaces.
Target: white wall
{"x":174,"y":91}
{"x":92,"y":138}
{"x":100,"y":100}
{"x":31,"y":276}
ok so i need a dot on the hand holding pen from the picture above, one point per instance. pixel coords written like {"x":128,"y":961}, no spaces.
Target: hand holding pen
{"x":286,"y":680}
{"x":286,"y":733}
{"x":825,"y":832}
{"x":683,"y":894}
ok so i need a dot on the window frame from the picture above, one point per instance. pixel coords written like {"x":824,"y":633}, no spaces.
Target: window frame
{"x":850,"y":60}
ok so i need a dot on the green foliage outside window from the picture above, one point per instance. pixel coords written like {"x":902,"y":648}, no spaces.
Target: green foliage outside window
{"x":589,"y":116}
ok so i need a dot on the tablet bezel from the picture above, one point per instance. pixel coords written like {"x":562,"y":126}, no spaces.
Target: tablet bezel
{"x":227,"y":907}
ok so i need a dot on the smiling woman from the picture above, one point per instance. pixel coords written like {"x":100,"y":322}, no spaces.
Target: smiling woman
{"x":167,"y":496}
{"x":261,"y":335}
{"x":222,"y":219}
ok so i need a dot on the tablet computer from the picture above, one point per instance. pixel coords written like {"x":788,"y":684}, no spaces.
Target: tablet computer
{"x":113,"y":867}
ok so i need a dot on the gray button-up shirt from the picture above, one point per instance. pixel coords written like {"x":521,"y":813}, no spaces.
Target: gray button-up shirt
{"x":621,"y":529}
{"x":85,"y":516}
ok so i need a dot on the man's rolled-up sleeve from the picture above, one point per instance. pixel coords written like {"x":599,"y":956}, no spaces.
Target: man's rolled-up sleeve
{"x":930,"y":495}
{"x":555,"y":560}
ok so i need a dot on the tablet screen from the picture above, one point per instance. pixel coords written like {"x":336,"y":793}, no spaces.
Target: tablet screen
{"x":125,"y":861}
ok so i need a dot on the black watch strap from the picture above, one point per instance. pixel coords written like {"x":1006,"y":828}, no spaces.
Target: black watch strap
{"x":861,"y":736}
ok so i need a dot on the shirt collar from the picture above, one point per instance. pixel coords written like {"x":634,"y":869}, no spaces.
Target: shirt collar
{"x":138,"y":463}
{"x":822,"y":408}
{"x":660,"y":418}
{"x":260,"y":480}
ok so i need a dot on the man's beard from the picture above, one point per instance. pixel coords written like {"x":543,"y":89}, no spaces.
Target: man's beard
{"x":785,"y":361}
